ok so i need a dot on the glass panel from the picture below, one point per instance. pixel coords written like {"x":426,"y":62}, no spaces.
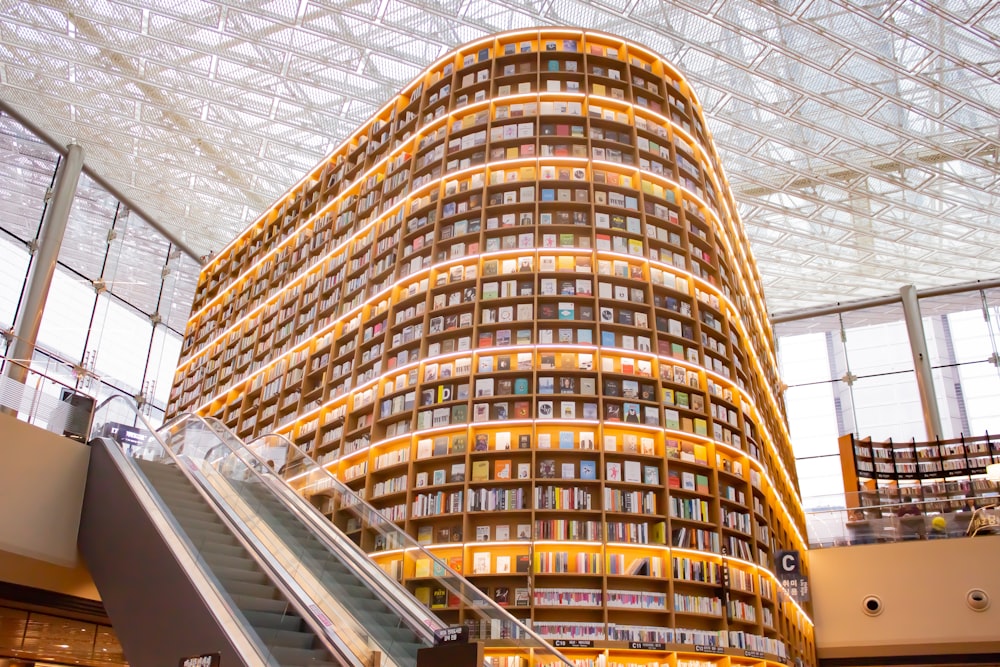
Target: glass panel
{"x":163,"y":355}
{"x":13,"y":272}
{"x":888,"y":406}
{"x":822,"y":477}
{"x":136,"y":259}
{"x":90,"y":218}
{"x":390,"y":547}
{"x":121,"y":339}
{"x":805,"y":358}
{"x":812,"y":419}
{"x":178,"y":291}
{"x":961,"y":345}
{"x":66,"y":320}
{"x":876,"y":341}
{"x":980,"y":387}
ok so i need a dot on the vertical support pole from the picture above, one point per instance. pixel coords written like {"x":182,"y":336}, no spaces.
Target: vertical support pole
{"x":921,"y":361}
{"x":43,"y":265}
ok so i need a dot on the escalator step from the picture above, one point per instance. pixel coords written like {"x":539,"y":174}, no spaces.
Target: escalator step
{"x":250,"y":576}
{"x":298,"y":656}
{"x":232,"y":550}
{"x":247,"y":589}
{"x":290,"y":639}
{"x":279,"y":626}
{"x":270,"y":620}
{"x":250,"y":603}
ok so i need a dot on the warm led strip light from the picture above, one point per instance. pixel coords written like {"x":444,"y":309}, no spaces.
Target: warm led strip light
{"x":407,"y":90}
{"x":419,"y":133}
{"x":762,"y":469}
{"x":410,"y":278}
{"x":343,"y":246}
{"x":364,"y":314}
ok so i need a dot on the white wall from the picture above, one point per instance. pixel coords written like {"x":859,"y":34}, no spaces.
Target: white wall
{"x":42,"y":480}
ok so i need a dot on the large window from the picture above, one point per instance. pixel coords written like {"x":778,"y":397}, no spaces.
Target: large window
{"x":853,"y":373}
{"x":120,"y":295}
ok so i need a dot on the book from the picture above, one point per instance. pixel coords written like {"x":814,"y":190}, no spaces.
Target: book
{"x":502,"y":441}
{"x":501,"y":594}
{"x":588,"y":469}
{"x":503,"y":564}
{"x":439,"y":598}
{"x":481,"y":561}
{"x":480,"y":471}
{"x":650,"y":475}
{"x":502,"y":469}
{"x":522,"y":563}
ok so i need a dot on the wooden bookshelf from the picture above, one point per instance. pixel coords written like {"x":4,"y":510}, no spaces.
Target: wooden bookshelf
{"x":939,"y":476}
{"x":514,"y":312}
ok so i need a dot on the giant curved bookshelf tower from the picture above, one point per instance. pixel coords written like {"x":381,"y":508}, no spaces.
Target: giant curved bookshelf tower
{"x":517,"y":312}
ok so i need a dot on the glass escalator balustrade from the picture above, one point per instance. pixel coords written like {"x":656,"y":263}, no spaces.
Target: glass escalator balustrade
{"x":305,"y":588}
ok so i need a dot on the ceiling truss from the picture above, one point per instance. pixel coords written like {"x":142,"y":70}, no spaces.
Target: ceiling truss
{"x":860,"y":139}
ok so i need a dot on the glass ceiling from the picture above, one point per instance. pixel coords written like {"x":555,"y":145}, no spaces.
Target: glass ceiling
{"x":860,"y":138}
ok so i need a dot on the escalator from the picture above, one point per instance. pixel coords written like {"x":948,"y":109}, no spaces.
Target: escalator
{"x":195,"y":555}
{"x":199,"y":549}
{"x":261,"y":602}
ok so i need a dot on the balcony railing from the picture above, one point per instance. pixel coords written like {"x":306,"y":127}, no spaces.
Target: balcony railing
{"x":873,"y":524}
{"x":40,"y":399}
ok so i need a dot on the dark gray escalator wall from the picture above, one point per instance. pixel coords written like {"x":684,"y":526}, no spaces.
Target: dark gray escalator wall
{"x":153,"y":606}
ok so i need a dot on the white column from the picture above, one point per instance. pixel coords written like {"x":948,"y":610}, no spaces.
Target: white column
{"x":921,"y":361}
{"x":43,"y":264}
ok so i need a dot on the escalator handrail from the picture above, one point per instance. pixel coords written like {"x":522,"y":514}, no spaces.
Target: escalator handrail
{"x":409,"y":544}
{"x":332,"y":644}
{"x":309,"y":612}
{"x":415,"y":615}
{"x":204,"y":582}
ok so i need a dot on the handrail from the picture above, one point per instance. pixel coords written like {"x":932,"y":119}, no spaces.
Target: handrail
{"x":284,"y":579}
{"x":331,"y":643}
{"x":401,"y":540}
{"x":399,"y":599}
{"x":904,"y":519}
{"x":200,"y":576}
{"x":21,"y":363}
{"x":16,"y":372}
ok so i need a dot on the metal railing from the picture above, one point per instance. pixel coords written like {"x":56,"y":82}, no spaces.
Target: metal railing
{"x":399,"y":552}
{"x":842,"y":525}
{"x":38,"y":398}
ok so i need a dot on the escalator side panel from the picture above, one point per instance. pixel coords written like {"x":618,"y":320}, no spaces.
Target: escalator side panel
{"x":154,"y":607}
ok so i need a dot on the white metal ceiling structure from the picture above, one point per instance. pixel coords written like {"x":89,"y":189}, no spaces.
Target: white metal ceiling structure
{"x":860,"y":138}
